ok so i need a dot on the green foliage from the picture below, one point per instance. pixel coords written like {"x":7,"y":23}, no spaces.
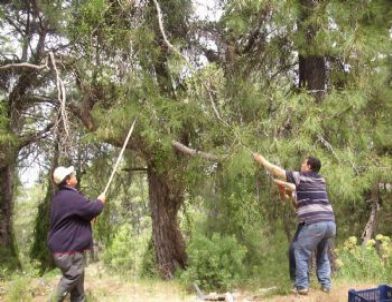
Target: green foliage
{"x":38,"y":248}
{"x":90,"y":15}
{"x":270,"y":266}
{"x":9,"y":262}
{"x":148,"y":267}
{"x":234,"y":199}
{"x":125,"y":251}
{"x":19,"y":290}
{"x":215,"y":262}
{"x":6,"y":136}
{"x":372,"y":262}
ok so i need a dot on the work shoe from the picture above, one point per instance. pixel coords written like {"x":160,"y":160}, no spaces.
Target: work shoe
{"x":300,"y":291}
{"x":325,"y":290}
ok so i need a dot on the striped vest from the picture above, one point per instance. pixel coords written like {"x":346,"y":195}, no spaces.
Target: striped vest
{"x":312,"y":197}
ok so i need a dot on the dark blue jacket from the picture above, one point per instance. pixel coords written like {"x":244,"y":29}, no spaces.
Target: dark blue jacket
{"x":70,"y":228}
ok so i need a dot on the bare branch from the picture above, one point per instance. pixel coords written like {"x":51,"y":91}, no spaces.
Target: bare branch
{"x":24,"y":65}
{"x":192,"y":152}
{"x":26,"y":140}
{"x":62,"y":99}
{"x":332,"y":150}
{"x":162,"y":29}
{"x":328,"y":146}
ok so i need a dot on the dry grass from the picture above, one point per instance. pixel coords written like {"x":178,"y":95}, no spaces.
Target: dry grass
{"x":102,"y":286}
{"x":338,"y":294}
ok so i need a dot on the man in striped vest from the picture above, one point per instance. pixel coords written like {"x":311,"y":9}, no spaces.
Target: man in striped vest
{"x":316,"y":217}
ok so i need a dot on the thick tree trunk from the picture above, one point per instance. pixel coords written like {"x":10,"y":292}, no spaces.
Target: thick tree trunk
{"x":372,"y":221}
{"x":166,"y":198}
{"x":7,"y":244}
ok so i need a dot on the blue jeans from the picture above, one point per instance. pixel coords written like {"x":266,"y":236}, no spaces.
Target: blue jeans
{"x":292,"y":265}
{"x":313,"y":237}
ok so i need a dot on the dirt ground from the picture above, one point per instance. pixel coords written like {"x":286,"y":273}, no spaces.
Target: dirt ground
{"x":101,"y":286}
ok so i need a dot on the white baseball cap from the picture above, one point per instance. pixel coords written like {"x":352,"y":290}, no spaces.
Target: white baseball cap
{"x":60,"y":173}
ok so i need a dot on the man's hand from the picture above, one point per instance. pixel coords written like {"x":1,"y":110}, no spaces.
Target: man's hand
{"x":274,"y":169}
{"x":102,"y":198}
{"x":258,"y":157}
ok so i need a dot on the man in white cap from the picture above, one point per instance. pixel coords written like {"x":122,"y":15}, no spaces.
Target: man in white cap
{"x":70,"y":233}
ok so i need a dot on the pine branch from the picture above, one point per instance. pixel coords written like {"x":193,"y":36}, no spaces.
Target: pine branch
{"x":175,"y":50}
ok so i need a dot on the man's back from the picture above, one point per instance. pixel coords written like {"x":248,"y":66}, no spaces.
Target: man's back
{"x":70,"y":229}
{"x":312,"y":197}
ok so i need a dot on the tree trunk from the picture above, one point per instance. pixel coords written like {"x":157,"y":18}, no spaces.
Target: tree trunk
{"x":312,"y":66}
{"x":372,"y":221}
{"x":166,"y":198}
{"x":8,"y":252}
{"x":313,"y":75}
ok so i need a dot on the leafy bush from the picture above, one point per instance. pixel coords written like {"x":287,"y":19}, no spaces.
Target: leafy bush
{"x":8,"y":262}
{"x":18,"y":289}
{"x":148,"y":267}
{"x":124,"y":252}
{"x":214,"y":263}
{"x":372,"y":261}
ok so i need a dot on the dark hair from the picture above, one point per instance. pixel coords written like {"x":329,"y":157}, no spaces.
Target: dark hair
{"x":64,"y":182}
{"x":314,"y":163}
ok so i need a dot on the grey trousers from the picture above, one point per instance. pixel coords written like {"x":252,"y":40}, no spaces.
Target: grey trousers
{"x":72,"y":281}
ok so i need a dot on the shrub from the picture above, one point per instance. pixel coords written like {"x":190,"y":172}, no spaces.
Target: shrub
{"x":18,"y":289}
{"x":365,"y":262}
{"x":214,"y":263}
{"x":123,"y":253}
{"x":148,"y":264}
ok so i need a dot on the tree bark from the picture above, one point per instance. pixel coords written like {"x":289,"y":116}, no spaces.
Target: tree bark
{"x":7,"y":243}
{"x":370,"y":227}
{"x":166,"y":198}
{"x":313,"y":75}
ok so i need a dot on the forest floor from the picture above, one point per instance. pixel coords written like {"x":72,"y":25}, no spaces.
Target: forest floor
{"x":101,"y":286}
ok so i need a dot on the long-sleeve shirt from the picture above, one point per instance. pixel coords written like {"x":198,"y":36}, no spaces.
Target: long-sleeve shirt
{"x":70,"y":229}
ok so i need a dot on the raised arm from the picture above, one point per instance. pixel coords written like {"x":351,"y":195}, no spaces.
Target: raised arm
{"x":274,"y":169}
{"x":286,"y":190}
